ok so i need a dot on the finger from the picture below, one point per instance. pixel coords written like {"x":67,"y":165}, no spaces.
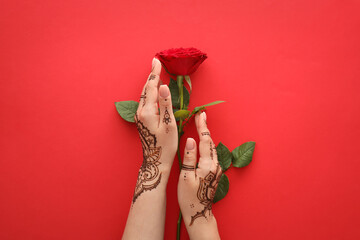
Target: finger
{"x":144,"y":92}
{"x":152,"y":87}
{"x":206,"y":145}
{"x":142,"y":100}
{"x":166,"y":112}
{"x":189,"y":161}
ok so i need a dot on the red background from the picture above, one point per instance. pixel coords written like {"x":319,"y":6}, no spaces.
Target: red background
{"x":288,"y":71}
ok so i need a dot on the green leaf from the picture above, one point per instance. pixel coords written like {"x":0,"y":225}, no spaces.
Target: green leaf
{"x":206,"y":105}
{"x":187,"y":78}
{"x":175,"y":98}
{"x":127,"y":109}
{"x":242,"y":155}
{"x":222,"y":188}
{"x":224,"y":156}
{"x":186,"y":98}
{"x":181,"y":114}
{"x":174,"y":91}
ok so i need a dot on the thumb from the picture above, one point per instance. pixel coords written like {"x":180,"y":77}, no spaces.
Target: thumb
{"x":166,"y":112}
{"x":189,"y":162}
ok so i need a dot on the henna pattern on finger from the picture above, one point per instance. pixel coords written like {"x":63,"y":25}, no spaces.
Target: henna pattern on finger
{"x":212,"y":150}
{"x":206,"y":192}
{"x":149,"y":175}
{"x":188,"y":167}
{"x":143,"y":97}
{"x":205,"y":133}
{"x":151,"y":77}
{"x":167,"y":118}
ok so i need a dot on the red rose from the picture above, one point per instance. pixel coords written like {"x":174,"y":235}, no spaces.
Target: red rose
{"x":181,"y":61}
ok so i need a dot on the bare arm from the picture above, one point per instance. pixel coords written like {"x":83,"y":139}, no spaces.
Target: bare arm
{"x":197,"y":185}
{"x":158,"y":135}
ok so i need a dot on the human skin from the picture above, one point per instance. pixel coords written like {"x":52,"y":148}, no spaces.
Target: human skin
{"x":158,"y":135}
{"x":197,"y":185}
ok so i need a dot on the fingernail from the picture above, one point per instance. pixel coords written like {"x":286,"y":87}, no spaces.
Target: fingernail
{"x":189,"y":144}
{"x":164,"y":91}
{"x":204,"y":116}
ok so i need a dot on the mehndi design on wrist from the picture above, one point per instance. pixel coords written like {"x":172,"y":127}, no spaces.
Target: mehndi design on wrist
{"x":149,"y":175}
{"x":206,"y":192}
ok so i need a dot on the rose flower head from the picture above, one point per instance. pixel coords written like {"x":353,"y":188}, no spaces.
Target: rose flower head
{"x":181,"y":61}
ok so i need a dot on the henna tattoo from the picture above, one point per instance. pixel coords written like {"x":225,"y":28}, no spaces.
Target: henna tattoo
{"x":167,"y":118}
{"x":212,"y":150}
{"x":188,"y":167}
{"x":149,"y":175}
{"x":152,"y":77}
{"x":143,"y":96}
{"x":206,"y":192}
{"x":205,"y":133}
{"x":192,"y":205}
{"x":167,"y":130}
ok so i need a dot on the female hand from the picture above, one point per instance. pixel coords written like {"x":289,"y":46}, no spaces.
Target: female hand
{"x":197,"y":185}
{"x":158,"y":132}
{"x":158,"y":135}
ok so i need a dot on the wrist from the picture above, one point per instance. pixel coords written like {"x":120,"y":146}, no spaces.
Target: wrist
{"x":165,"y":174}
{"x":166,"y":163}
{"x":162,"y":172}
{"x":203,"y":228}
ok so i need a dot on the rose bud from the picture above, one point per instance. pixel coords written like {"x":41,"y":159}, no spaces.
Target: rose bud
{"x":181,"y":61}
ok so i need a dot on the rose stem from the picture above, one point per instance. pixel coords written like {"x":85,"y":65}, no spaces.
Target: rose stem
{"x":180,"y":84}
{"x":178,"y":226}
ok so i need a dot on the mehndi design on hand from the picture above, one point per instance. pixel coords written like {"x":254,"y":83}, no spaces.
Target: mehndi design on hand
{"x":152,"y":77}
{"x":149,"y":175}
{"x":167,"y":117}
{"x":188,"y":167}
{"x":206,"y":192}
{"x":143,"y":97}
